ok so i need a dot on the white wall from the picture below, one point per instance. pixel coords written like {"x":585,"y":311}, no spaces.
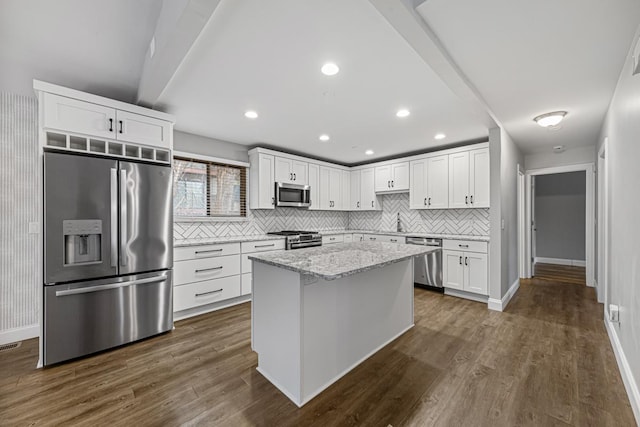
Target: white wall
{"x":560,"y":207}
{"x":20,"y":181}
{"x":197,"y":144}
{"x":572,"y":156}
{"x":510,"y":157}
{"x":622,"y":127}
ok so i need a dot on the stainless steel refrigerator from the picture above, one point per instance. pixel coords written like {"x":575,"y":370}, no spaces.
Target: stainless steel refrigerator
{"x":108,"y":253}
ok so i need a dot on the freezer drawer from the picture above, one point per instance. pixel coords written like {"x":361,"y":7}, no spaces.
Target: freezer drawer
{"x":86,"y":317}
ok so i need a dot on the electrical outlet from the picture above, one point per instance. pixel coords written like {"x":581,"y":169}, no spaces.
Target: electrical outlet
{"x":34,"y":228}
{"x":502,"y":224}
{"x":614,"y":313}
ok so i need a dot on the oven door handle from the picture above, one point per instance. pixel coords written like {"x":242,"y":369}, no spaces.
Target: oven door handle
{"x":98,"y":288}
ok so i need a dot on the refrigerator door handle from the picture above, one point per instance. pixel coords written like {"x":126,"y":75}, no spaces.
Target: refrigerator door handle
{"x":114,"y":217}
{"x":123,"y":218}
{"x":97,"y":288}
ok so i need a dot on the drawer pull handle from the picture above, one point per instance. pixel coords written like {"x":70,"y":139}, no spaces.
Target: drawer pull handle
{"x":209,"y":251}
{"x":209,"y":293}
{"x":464,"y":246}
{"x":394,"y":240}
{"x":209,"y":269}
{"x":264,"y":246}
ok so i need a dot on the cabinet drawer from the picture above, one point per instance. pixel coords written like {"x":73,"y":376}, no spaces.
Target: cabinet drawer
{"x":384,"y":238}
{"x":348,"y":238}
{"x":263,"y":245}
{"x":465,"y":245}
{"x":207,"y":292}
{"x":205,"y":251}
{"x":197,"y":270}
{"x":334,"y":238}
{"x":358,"y":237}
{"x":247,"y":280}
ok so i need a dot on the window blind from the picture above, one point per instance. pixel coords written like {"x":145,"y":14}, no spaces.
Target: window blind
{"x":208,"y":189}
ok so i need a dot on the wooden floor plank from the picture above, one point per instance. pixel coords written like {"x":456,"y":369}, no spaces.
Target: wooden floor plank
{"x":546,"y":360}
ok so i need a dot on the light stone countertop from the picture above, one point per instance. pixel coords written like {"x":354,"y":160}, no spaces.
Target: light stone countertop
{"x":335,"y":261}
{"x":231,"y":239}
{"x":408,"y":234}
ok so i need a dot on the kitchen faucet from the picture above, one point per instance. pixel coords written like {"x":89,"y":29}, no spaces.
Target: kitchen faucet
{"x":399,"y":226}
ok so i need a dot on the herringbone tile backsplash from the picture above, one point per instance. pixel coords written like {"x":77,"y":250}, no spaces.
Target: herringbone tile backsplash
{"x":473,"y":222}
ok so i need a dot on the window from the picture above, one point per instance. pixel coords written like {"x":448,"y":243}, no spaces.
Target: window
{"x":207,"y":189}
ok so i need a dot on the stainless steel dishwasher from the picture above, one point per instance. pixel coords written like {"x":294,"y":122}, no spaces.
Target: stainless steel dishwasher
{"x":427,"y":269}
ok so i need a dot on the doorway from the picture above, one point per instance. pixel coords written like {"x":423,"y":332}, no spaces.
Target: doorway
{"x":544,"y":246}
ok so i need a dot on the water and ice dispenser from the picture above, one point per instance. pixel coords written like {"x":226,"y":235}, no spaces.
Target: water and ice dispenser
{"x":82,"y":241}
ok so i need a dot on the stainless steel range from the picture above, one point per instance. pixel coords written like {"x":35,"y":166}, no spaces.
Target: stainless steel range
{"x":296,"y":239}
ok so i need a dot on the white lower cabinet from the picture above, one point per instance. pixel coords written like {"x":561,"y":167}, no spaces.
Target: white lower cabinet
{"x":388,"y":238}
{"x":332,"y":238}
{"x":250,"y":248}
{"x":192,"y":295}
{"x":465,"y":266}
{"x":358,"y":237}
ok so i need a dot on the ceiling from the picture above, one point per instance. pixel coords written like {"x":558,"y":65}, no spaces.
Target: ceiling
{"x":521,"y":59}
{"x":529,"y":58}
{"x":266,"y":56}
{"x":94,"y":46}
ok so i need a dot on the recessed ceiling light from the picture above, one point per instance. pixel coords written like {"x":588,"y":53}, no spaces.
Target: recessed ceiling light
{"x":550,"y":119}
{"x":369,"y":152}
{"x":403,"y":113}
{"x":324,"y":137}
{"x":330,"y":69}
{"x":440,"y":136}
{"x":251,"y":114}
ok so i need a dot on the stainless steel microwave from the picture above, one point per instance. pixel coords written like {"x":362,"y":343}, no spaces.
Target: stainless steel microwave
{"x":293,"y":195}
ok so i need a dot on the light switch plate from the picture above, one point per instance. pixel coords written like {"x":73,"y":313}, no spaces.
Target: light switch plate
{"x":34,"y":228}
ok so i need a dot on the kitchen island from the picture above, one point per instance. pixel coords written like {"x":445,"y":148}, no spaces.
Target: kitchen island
{"x":319,"y":312}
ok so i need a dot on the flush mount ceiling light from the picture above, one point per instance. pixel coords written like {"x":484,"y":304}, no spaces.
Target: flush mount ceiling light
{"x":251,"y":114}
{"x":440,"y":136}
{"x":330,"y":69}
{"x":550,"y":119}
{"x":324,"y":137}
{"x":403,"y":113}
{"x":369,"y":152}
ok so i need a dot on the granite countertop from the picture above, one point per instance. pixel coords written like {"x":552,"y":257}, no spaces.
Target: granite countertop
{"x":232,"y":239}
{"x":332,"y":262}
{"x":407,"y":234}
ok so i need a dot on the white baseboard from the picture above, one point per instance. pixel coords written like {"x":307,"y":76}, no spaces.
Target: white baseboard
{"x":465,"y":295}
{"x":501,"y":304}
{"x":561,"y":261}
{"x":629,"y":381}
{"x":203,"y":309}
{"x":19,"y":334}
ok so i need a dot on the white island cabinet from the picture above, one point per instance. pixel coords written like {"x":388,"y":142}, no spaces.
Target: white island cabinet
{"x":309,"y":323}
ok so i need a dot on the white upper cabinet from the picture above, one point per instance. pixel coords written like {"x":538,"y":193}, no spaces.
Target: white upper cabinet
{"x":73,"y":115}
{"x":314,"y":183}
{"x":368,"y":198}
{"x":142,"y":129}
{"x":479,"y":178}
{"x":345,"y":190}
{"x":418,"y":184}
{"x":438,"y":182}
{"x":78,"y":116}
{"x":330,"y":188}
{"x":469,"y":179}
{"x":262,"y":181}
{"x":392,"y":178}
{"x":355,"y":202}
{"x":459,"y":180}
{"x":291,"y":171}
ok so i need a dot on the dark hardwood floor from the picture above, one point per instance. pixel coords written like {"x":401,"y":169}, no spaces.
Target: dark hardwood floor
{"x":560,"y":273}
{"x":545,"y":361}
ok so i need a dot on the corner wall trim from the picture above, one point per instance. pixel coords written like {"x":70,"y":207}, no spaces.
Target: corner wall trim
{"x":500,"y":305}
{"x":18,"y":334}
{"x":625,"y":370}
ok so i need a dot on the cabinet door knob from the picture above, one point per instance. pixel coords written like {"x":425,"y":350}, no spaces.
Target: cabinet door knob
{"x":429,"y":201}
{"x":425,"y":201}
{"x":294,"y":177}
{"x":471,"y":199}
{"x":372,"y":203}
{"x":273,"y":201}
{"x":358,"y":205}
{"x":110,"y":125}
{"x":466,"y":200}
{"x":460,"y":260}
{"x":392,"y":184}
{"x":466,"y":261}
{"x":120,"y":123}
